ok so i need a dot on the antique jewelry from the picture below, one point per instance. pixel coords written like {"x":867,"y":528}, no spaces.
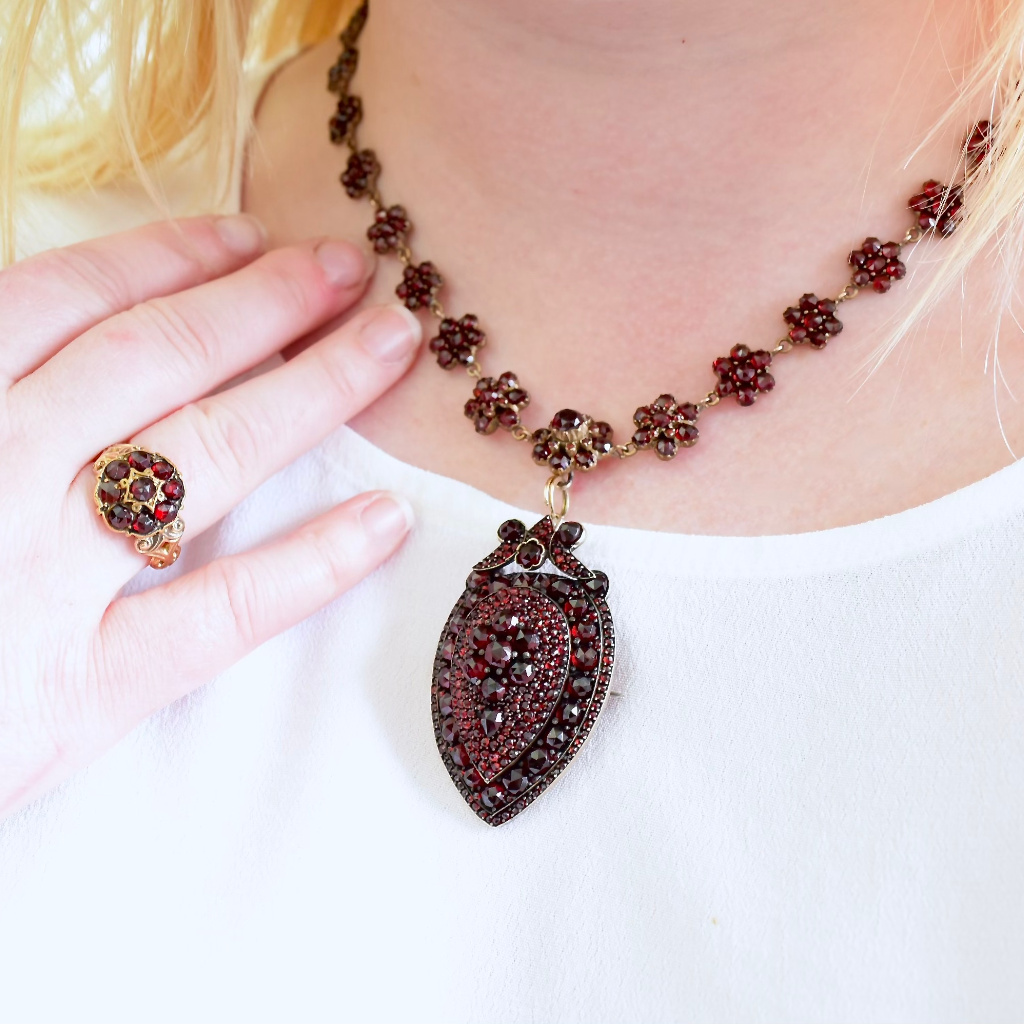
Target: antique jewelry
{"x":140,"y":493}
{"x":525,"y":659}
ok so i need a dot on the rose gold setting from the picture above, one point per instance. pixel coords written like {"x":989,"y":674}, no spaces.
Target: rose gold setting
{"x":140,"y":493}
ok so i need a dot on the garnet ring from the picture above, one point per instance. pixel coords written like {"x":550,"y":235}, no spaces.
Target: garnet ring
{"x":140,"y":493}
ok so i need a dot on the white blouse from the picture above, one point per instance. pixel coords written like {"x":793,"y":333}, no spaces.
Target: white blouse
{"x":805,"y":806}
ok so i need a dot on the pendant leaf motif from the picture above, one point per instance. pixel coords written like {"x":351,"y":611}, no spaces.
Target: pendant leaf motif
{"x":522,"y":668}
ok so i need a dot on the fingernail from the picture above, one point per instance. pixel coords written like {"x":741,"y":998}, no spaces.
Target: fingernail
{"x":242,"y":233}
{"x":344,"y":265}
{"x":387,"y":517}
{"x":392,"y":334}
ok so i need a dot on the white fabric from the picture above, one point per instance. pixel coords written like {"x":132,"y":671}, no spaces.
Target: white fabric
{"x":806,"y":806}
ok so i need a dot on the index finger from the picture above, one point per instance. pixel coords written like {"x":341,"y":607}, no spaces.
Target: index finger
{"x":49,"y":299}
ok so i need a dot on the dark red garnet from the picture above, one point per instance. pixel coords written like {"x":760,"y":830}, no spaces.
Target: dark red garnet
{"x":174,"y":490}
{"x":569,"y":534}
{"x":120,"y":517}
{"x":145,"y":522}
{"x":142,"y":489}
{"x":566,"y":419}
{"x":117,"y":470}
{"x":166,"y":512}
{"x":512,"y":530}
{"x":522,"y":669}
{"x":531,"y":553}
{"x":140,"y":461}
{"x":108,"y":492}
{"x":163,"y":470}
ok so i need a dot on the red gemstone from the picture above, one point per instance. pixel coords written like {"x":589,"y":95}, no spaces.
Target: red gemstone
{"x":475,"y":668}
{"x":166,"y":511}
{"x":493,"y":796}
{"x":569,"y":534}
{"x":444,"y":702}
{"x":538,"y":760}
{"x":566,"y":419}
{"x":174,"y":490}
{"x":117,"y":470}
{"x":497,"y":654}
{"x":108,"y":492}
{"x":571,"y":713}
{"x":521,"y":672}
{"x":531,"y":553}
{"x":585,"y":630}
{"x":585,"y":656}
{"x":512,"y":531}
{"x":516,"y":781}
{"x":491,"y":721}
{"x":473,"y":778}
{"x":460,"y":756}
{"x":556,"y":738}
{"x":119,"y":517}
{"x":140,"y":461}
{"x":493,"y":690}
{"x":145,"y":522}
{"x":142,"y":489}
{"x":581,"y":686}
{"x":449,"y":730}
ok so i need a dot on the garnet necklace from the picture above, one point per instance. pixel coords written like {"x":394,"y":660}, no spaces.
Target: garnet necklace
{"x":525,"y":659}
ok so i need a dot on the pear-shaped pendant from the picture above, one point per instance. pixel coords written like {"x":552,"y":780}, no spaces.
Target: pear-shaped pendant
{"x":522,"y":668}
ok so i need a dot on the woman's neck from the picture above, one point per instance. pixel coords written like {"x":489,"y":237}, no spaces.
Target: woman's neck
{"x":659,"y":149}
{"x":622,"y":190}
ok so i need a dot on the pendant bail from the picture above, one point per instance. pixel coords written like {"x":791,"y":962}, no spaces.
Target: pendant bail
{"x":556,"y":495}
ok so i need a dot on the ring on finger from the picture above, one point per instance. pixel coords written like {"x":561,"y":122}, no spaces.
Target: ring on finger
{"x":140,"y":493}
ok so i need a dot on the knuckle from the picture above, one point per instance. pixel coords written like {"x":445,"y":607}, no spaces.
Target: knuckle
{"x":286,"y":279}
{"x":238,"y":600}
{"x":188,"y":338}
{"x":81,"y":269}
{"x":342,"y":377}
{"x":232,"y":439}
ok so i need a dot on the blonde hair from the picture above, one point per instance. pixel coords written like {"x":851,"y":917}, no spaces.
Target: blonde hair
{"x":97,"y":90}
{"x":93,"y":91}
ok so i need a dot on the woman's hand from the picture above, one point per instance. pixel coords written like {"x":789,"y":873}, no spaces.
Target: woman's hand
{"x":120,"y":340}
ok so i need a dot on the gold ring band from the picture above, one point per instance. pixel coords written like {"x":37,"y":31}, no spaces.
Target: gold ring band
{"x":140,"y":493}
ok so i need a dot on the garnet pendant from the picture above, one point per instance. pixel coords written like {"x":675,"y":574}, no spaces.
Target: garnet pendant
{"x":522,"y":668}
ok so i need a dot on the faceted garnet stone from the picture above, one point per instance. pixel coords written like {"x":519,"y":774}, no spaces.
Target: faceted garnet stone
{"x":522,"y":669}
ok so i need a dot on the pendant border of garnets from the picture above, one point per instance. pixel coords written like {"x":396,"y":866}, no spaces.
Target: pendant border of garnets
{"x":551,"y":713}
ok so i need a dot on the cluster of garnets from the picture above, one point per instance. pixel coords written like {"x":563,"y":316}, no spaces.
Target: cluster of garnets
{"x":504,"y":653}
{"x":742,"y":374}
{"x":140,"y":493}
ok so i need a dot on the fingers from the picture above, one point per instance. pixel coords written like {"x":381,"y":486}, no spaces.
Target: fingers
{"x":141,"y":364}
{"x":218,"y":614}
{"x":49,"y":299}
{"x":228,"y":444}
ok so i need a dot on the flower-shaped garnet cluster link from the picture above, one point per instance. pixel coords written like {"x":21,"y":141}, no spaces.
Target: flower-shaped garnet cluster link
{"x":496,"y":403}
{"x":573,"y":441}
{"x":138,"y":492}
{"x":938,"y":207}
{"x":813,"y":321}
{"x":666,"y":426}
{"x":341,"y":72}
{"x":389,"y":228}
{"x":877,"y":264}
{"x":419,"y":285}
{"x":360,"y":175}
{"x":457,"y":341}
{"x":345,"y":118}
{"x":743,"y":373}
